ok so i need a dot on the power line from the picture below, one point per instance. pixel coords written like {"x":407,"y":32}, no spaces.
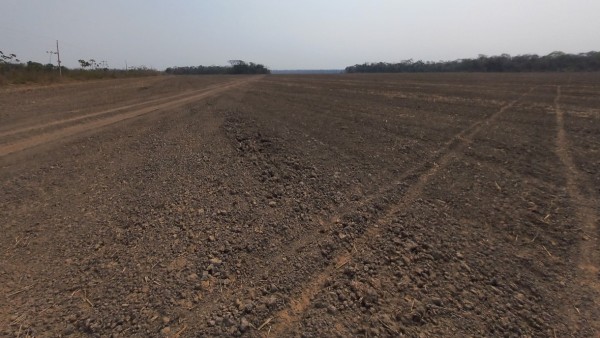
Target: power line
{"x":51,"y":52}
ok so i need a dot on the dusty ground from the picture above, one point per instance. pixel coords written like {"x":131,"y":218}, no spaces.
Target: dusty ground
{"x":364,"y":205}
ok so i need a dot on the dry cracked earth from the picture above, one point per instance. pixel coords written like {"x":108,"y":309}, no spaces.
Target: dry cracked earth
{"x":434,"y":205}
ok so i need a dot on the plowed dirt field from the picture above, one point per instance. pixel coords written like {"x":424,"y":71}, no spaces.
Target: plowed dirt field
{"x":433,"y":205}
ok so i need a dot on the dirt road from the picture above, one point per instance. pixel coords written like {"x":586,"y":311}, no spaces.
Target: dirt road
{"x":356,"y":205}
{"x":61,"y":128}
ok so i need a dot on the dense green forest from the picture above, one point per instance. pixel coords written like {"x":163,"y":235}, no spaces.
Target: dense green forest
{"x":553,"y":62}
{"x":237,"y":67}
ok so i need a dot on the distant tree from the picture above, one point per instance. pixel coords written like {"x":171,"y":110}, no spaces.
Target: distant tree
{"x":91,"y":63}
{"x":36,"y":66}
{"x":84,"y":64}
{"x":8,"y":58}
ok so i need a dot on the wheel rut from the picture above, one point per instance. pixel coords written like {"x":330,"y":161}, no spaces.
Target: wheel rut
{"x":105,"y":112}
{"x":425,"y":168}
{"x":585,"y":206}
{"x":129,"y":111}
{"x":422,"y":169}
{"x":290,"y":316}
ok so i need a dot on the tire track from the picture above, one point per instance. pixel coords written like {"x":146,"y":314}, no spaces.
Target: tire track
{"x":103,"y":112}
{"x":291,"y":248}
{"x":288,"y":317}
{"x":585,"y":210}
{"x":173,"y":102}
{"x":414,"y":171}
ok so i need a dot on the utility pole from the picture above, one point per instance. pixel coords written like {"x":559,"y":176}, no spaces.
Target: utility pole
{"x":58,"y":54}
{"x":125,"y":65}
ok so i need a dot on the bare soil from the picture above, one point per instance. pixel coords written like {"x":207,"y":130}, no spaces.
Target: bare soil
{"x":422,"y":205}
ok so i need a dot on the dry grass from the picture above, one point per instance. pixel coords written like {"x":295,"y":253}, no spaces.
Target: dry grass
{"x":25,"y":76}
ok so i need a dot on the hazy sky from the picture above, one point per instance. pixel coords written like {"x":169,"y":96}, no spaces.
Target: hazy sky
{"x":281,"y":34}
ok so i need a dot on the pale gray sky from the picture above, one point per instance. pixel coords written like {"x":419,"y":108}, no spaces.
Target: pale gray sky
{"x":305,"y":34}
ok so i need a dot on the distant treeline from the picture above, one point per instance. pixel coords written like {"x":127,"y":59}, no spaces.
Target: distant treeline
{"x":553,"y":62}
{"x":13,"y":71}
{"x":237,"y":67}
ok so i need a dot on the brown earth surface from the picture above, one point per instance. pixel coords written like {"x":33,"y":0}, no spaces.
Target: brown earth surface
{"x":448,"y":205}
